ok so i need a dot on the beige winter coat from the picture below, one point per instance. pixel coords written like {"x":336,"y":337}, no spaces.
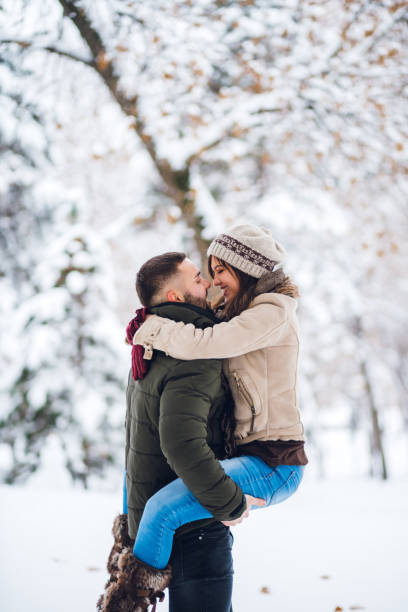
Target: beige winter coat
{"x":261,"y":348}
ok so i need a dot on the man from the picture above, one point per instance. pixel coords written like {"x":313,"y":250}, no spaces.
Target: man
{"x":174,"y":428}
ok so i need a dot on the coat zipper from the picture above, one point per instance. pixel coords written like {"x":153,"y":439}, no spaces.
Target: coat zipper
{"x":244,"y":391}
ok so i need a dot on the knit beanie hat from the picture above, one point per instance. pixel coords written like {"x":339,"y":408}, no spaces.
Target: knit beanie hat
{"x":249,"y":248}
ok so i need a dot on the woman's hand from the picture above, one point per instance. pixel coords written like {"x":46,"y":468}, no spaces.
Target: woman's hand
{"x":250,"y":501}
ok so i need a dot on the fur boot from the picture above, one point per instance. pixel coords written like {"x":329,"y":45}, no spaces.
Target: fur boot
{"x":137,"y":586}
{"x":121,"y":540}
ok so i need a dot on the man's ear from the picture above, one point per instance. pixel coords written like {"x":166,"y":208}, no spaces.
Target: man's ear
{"x":175,"y":296}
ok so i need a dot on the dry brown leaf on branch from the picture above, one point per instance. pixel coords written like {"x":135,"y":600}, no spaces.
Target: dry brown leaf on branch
{"x":236,"y":131}
{"x":102,"y":61}
{"x":139,"y":220}
{"x":171,"y":219}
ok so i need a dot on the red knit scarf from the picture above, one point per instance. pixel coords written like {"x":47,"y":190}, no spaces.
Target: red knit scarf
{"x":139,"y":364}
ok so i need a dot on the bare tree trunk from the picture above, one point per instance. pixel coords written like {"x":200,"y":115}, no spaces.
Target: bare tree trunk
{"x":177,"y":182}
{"x":377,"y":443}
{"x":401,"y":375}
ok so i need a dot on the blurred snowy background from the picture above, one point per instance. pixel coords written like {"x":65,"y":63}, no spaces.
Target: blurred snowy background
{"x":129,"y":128}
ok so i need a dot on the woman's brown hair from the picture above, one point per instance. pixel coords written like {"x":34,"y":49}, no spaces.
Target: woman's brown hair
{"x":248,"y":288}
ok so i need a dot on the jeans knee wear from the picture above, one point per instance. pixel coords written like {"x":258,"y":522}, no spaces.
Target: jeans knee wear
{"x":174,"y":505}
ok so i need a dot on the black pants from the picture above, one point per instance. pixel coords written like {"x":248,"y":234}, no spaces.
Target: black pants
{"x":202,"y":570}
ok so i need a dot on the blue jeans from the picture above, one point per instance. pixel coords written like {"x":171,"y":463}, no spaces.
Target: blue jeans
{"x":202,"y":567}
{"x":174,"y":505}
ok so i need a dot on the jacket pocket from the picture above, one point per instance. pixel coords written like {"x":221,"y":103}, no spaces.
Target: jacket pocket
{"x":246,"y":398}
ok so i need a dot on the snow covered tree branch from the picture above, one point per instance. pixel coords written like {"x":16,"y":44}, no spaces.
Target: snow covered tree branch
{"x":24,"y":44}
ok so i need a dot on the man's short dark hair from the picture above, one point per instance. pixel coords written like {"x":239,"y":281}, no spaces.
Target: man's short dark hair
{"x":154,"y":273}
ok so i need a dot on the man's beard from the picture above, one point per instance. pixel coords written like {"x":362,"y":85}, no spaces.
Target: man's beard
{"x":195,"y":301}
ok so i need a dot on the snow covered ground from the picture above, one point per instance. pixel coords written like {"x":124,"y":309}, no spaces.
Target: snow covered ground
{"x":334,"y":545}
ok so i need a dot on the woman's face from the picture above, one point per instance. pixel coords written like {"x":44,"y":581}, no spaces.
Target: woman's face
{"x":225,"y":279}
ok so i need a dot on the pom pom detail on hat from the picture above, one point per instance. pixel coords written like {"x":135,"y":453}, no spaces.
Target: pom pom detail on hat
{"x":249,"y":248}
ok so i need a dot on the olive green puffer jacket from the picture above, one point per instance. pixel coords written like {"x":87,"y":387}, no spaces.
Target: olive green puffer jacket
{"x":173,"y":428}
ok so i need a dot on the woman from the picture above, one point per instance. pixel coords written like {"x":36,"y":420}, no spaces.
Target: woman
{"x":258,"y":339}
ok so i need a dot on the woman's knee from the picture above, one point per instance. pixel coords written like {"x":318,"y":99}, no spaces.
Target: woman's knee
{"x":153,"y":509}
{"x":164,"y":504}
{"x":158,"y":508}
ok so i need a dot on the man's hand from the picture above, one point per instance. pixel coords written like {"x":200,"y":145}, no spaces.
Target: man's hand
{"x":250,"y":501}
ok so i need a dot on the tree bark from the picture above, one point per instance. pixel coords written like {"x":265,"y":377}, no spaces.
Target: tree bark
{"x":377,"y":443}
{"x":377,"y":447}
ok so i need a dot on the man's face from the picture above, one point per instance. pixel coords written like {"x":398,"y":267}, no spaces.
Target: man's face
{"x":195,"y":287}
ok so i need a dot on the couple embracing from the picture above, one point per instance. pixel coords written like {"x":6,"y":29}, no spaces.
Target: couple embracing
{"x":212,"y":423}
